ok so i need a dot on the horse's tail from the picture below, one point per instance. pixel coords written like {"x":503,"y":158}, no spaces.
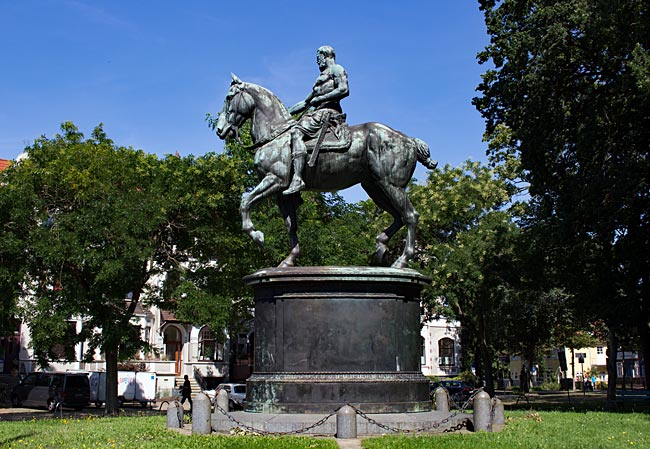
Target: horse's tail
{"x":423,"y":154}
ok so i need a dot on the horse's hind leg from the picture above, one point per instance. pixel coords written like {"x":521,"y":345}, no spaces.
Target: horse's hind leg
{"x":395,"y":201}
{"x":269,"y":185}
{"x":410,"y":216}
{"x":288,"y":205}
{"x":376,"y":193}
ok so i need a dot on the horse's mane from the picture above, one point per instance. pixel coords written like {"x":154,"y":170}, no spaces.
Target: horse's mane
{"x":269,"y":94}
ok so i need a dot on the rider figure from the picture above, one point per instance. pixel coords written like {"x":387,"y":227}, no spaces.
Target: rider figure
{"x":330,"y":87}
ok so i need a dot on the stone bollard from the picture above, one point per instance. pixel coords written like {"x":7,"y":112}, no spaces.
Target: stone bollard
{"x":346,"y":422}
{"x":223,"y":400}
{"x":482,"y":411}
{"x":442,"y":399}
{"x":498,"y":415}
{"x":201,"y":416}
{"x":175,"y":415}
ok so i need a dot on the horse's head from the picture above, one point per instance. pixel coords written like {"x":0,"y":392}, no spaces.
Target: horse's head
{"x":237,"y":108}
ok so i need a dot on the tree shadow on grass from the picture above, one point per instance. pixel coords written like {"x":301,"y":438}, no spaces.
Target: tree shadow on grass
{"x":6,"y":443}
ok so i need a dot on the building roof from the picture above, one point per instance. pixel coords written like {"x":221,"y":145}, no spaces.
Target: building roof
{"x":168,"y":316}
{"x":140,"y":310}
{"x":4,"y":164}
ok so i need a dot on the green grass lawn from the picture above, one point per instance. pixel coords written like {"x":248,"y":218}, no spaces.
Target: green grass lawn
{"x":537,"y":430}
{"x":524,"y":429}
{"x":133,"y":432}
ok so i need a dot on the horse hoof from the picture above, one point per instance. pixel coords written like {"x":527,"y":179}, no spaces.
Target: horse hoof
{"x":258,"y":237}
{"x":286,"y":264}
{"x":399,"y":264}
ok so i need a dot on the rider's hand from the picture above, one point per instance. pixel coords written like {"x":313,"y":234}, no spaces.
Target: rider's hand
{"x":297,"y":107}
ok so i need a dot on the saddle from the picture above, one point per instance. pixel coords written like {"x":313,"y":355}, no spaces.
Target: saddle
{"x":337,"y":135}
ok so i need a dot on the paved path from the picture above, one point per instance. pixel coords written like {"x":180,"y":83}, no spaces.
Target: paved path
{"x":349,"y":444}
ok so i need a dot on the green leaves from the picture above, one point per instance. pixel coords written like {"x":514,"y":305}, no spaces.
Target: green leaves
{"x":569,"y":98}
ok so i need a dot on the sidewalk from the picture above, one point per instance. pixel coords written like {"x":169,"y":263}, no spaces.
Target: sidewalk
{"x":349,"y":444}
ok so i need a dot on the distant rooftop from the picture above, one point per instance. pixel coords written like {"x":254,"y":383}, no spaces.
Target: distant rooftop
{"x":4,"y":163}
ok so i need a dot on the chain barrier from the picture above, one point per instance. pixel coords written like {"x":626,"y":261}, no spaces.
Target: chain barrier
{"x":253,"y":430}
{"x":436,"y":425}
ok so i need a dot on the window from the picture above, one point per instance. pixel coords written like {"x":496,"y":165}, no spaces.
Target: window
{"x":446,"y":352}
{"x":209,"y":347}
{"x":599,"y":349}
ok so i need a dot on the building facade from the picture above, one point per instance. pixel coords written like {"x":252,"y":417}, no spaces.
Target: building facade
{"x":177,"y":349}
{"x":581,"y":365}
{"x":440,"y":348}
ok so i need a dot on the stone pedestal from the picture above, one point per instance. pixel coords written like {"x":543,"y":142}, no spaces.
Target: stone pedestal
{"x":329,"y":336}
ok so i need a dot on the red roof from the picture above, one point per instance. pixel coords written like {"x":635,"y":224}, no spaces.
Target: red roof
{"x":4,"y":163}
{"x":168,"y":316}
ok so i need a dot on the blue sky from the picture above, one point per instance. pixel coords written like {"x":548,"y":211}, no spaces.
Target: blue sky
{"x":151,"y":70}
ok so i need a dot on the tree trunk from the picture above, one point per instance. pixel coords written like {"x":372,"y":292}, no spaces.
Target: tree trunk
{"x":644,"y":329}
{"x":645,"y":355}
{"x":486,"y":357}
{"x":465,"y":347}
{"x":112,"y":404}
{"x":612,"y":373}
{"x":478,"y":365}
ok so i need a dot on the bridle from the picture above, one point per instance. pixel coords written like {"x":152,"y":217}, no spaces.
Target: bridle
{"x":236,"y":97}
{"x":235,"y":100}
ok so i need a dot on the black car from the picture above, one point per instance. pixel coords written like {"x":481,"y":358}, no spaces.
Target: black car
{"x":459,"y":391}
{"x":52,"y":389}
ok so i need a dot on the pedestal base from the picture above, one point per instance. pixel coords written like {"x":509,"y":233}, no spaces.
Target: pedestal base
{"x":329,"y":336}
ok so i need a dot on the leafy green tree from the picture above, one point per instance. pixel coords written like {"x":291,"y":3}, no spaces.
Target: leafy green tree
{"x":97,"y":223}
{"x":465,"y":244}
{"x":11,"y":260}
{"x":568,"y":94}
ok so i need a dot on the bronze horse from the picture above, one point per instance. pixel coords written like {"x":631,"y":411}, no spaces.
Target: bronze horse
{"x":381,"y":159}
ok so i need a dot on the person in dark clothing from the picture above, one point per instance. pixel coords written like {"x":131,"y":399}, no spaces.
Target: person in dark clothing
{"x":186,"y":392}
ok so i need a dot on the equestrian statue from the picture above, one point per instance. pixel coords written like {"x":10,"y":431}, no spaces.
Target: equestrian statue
{"x":374,"y":155}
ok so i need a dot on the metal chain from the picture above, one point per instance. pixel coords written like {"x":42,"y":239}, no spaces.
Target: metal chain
{"x":465,"y":404}
{"x":429,"y":428}
{"x":240,"y":424}
{"x":435,"y":425}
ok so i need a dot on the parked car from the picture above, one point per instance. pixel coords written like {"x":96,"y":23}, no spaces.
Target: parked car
{"x":236,"y":394}
{"x":459,"y":391}
{"x":52,"y":389}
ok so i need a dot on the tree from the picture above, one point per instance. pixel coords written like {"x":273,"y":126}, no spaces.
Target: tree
{"x":465,"y":246}
{"x":572,"y":90}
{"x":97,"y":224}
{"x":11,"y":258}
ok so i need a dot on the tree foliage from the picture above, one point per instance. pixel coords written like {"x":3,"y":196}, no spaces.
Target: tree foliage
{"x":100,"y":227}
{"x":570,"y":85}
{"x":465,"y":245}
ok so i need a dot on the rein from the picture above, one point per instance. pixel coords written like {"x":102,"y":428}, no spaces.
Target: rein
{"x":274,"y":135}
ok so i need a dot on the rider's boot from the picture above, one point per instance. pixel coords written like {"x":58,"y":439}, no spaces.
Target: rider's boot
{"x":297,"y":184}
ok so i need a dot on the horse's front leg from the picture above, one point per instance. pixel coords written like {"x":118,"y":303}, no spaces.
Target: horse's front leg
{"x":288,"y":206}
{"x":269,"y":185}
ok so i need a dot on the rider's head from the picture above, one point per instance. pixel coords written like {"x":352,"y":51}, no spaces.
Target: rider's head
{"x":326,"y":50}
{"x":324,"y":54}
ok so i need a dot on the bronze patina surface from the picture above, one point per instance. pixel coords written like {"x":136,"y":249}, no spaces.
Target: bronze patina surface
{"x":329,"y":336}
